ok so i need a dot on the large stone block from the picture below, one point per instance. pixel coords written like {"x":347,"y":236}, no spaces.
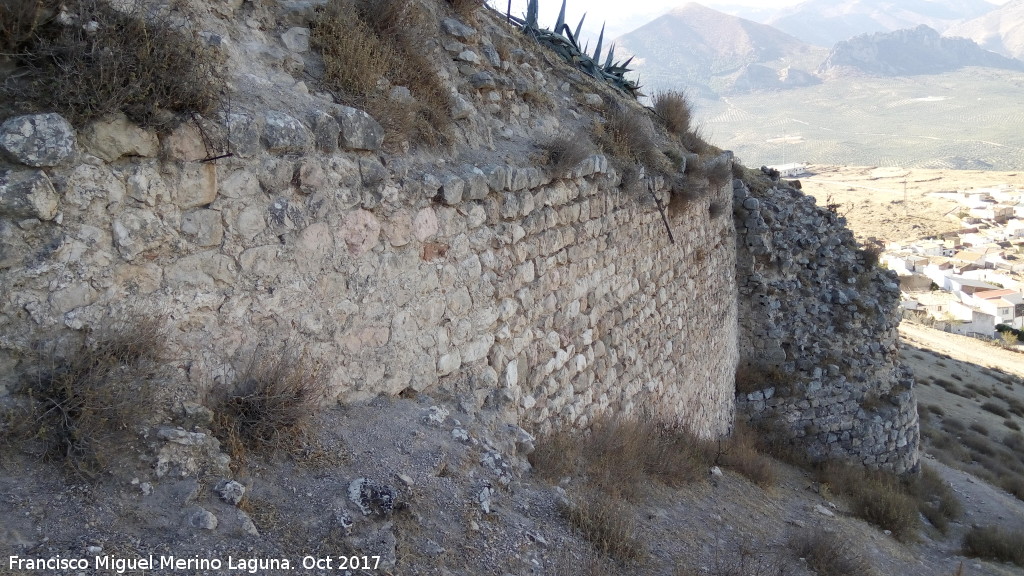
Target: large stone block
{"x":27,"y":195}
{"x":359,"y":131}
{"x":283,"y":134}
{"x":196,"y":185}
{"x":40,"y":140}
{"x":114,"y":137}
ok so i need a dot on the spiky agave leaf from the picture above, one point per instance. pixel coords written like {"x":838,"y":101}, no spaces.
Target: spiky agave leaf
{"x":531,"y":14}
{"x":561,"y":19}
{"x":579,"y":27}
{"x":611,"y":55}
{"x":600,"y":40}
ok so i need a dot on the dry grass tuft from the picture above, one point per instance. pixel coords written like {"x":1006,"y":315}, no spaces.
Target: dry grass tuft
{"x":628,"y":136}
{"x":828,"y":554}
{"x":465,"y":8}
{"x":686,"y":190}
{"x":85,"y":407}
{"x":617,"y":457}
{"x":19,"y":22}
{"x":936,"y":499}
{"x":564,"y":153}
{"x":274,"y":404}
{"x":607,"y":523}
{"x":718,"y":171}
{"x":740,"y":453}
{"x":674,"y":110}
{"x":743,"y":559}
{"x":751,"y":378}
{"x":875,"y":496}
{"x":369,"y":48}
{"x":994,"y":543}
{"x":143,"y":64}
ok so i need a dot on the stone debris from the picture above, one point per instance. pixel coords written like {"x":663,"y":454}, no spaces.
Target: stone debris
{"x":372,"y":498}
{"x":230,"y":491}
{"x":202,"y":519}
{"x":484,"y":498}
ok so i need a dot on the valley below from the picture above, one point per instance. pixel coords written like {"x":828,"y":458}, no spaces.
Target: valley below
{"x":969,"y":119}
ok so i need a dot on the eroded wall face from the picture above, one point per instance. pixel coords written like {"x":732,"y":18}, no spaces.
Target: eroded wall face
{"x":552,"y":300}
{"x":818,"y":334}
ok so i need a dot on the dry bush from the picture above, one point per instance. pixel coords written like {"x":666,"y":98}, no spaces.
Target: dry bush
{"x":694,"y":141}
{"x":607,"y":523}
{"x":995,"y":409}
{"x":556,"y":455}
{"x":19,"y":21}
{"x":751,"y":378}
{"x":935,"y":499}
{"x":564,"y":152}
{"x":617,"y":457}
{"x":355,"y":58}
{"x":743,"y":559}
{"x":674,"y":110}
{"x":740,"y":453}
{"x":994,"y":543}
{"x":870,"y":254}
{"x":465,"y":8}
{"x":627,"y":135}
{"x":85,"y":406}
{"x":875,"y":496}
{"x":718,"y":171}
{"x":686,"y":189}
{"x":828,"y":554}
{"x":142,"y":64}
{"x":274,"y":403}
{"x":369,"y":47}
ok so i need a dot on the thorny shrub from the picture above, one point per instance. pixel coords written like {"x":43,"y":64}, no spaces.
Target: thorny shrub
{"x":86,"y":404}
{"x":148,"y":65}
{"x":674,"y":110}
{"x":275,"y":400}
{"x":828,"y":554}
{"x":370,"y":48}
{"x":564,"y":152}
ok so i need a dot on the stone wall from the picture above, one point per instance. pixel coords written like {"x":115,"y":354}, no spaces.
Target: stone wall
{"x":554,"y":299}
{"x":818,"y":334}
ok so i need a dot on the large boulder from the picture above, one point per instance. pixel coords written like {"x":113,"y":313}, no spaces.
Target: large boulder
{"x":359,"y":131}
{"x":39,"y":140}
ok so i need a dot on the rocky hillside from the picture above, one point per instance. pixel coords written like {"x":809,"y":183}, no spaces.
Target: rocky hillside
{"x":908,"y":52}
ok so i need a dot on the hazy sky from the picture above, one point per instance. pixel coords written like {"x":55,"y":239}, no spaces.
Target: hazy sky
{"x":623,"y":17}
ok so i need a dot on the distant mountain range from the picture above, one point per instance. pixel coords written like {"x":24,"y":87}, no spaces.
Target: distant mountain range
{"x":712,"y":53}
{"x":910,"y":52}
{"x":1001,"y":30}
{"x":825,"y":22}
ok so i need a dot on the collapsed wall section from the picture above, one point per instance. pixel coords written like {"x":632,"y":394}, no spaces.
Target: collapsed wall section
{"x":550,"y":299}
{"x":818,"y":334}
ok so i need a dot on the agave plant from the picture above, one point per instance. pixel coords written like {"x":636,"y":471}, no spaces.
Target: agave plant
{"x":566,"y":44}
